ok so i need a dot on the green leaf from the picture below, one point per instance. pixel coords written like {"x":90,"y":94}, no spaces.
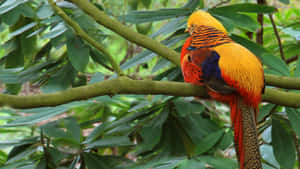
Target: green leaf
{"x":42,"y":164}
{"x":267,"y":154}
{"x":93,"y":161}
{"x":146,"y":3}
{"x":226,"y":140}
{"x":73,"y":128}
{"x":55,"y":155}
{"x":27,"y":10}
{"x":297,"y":71}
{"x":11,"y":17}
{"x":111,"y":141}
{"x":152,"y":131}
{"x":285,"y":1}
{"x":78,"y":53}
{"x":61,"y":80}
{"x":208,"y":142}
{"x":283,"y":146}
{"x":246,"y":7}
{"x":99,"y":57}
{"x":167,"y":162}
{"x":264,"y":111}
{"x":171,"y":27}
{"x":19,"y":165}
{"x":57,"y":30}
{"x":218,"y":162}
{"x":23,"y":29}
{"x":162,"y":63}
{"x":294,"y":117}
{"x":44,"y":11}
{"x":45,"y":114}
{"x":184,"y":107}
{"x":275,"y":63}
{"x":239,"y":20}
{"x":9,"y":76}
{"x":147,"y":54}
{"x":191,"y":164}
{"x":292,"y":32}
{"x":10,"y":4}
{"x":96,"y":133}
{"x":20,"y":152}
{"x":9,"y":143}
{"x":157,"y":15}
{"x":198,"y":127}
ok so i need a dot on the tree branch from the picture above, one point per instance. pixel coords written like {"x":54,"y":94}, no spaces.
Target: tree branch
{"x":124,"y":85}
{"x":283,"y":82}
{"x":277,"y":37}
{"x":80,"y":32}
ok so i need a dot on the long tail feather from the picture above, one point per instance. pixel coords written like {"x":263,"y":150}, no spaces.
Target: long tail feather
{"x":245,"y":134}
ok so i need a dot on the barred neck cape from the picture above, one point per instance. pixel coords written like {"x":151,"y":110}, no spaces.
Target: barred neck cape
{"x":207,"y":37}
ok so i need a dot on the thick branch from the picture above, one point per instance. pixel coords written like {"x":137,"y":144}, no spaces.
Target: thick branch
{"x":283,"y":82}
{"x":80,"y":32}
{"x":124,"y":85}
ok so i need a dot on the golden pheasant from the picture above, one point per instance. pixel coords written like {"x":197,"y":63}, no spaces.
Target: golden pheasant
{"x":232,"y":74}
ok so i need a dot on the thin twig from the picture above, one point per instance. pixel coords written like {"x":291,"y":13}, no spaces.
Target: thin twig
{"x":277,"y":37}
{"x":80,"y":32}
{"x":297,"y":147}
{"x":260,"y":19}
{"x":292,"y":59}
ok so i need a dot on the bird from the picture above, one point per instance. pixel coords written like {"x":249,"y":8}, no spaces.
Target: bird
{"x":231,"y":74}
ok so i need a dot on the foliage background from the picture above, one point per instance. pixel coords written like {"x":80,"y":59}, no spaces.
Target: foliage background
{"x":41,"y":53}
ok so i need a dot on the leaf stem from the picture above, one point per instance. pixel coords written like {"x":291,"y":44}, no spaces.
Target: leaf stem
{"x":277,"y":37}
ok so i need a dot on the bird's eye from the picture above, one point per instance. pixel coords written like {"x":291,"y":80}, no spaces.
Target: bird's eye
{"x":189,"y":58}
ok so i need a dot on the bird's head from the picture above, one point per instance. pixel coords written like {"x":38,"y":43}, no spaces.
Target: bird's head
{"x":200,"y":17}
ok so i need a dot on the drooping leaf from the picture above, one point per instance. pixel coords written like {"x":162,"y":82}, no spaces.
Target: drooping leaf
{"x":57,"y":30}
{"x":11,"y":4}
{"x":239,"y":20}
{"x":218,"y":162}
{"x":111,"y":141}
{"x":35,"y":118}
{"x":152,"y":131}
{"x":267,"y":154}
{"x":61,"y":80}
{"x":294,"y":117}
{"x":285,"y":1}
{"x":170,"y":27}
{"x":284,"y":149}
{"x":264,"y":111}
{"x":78,"y":53}
{"x":297,"y":71}
{"x":147,"y":55}
{"x":44,"y":11}
{"x":157,"y":15}
{"x":208,"y":142}
{"x":246,"y":7}
{"x":23,"y":29}
{"x":184,"y":107}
